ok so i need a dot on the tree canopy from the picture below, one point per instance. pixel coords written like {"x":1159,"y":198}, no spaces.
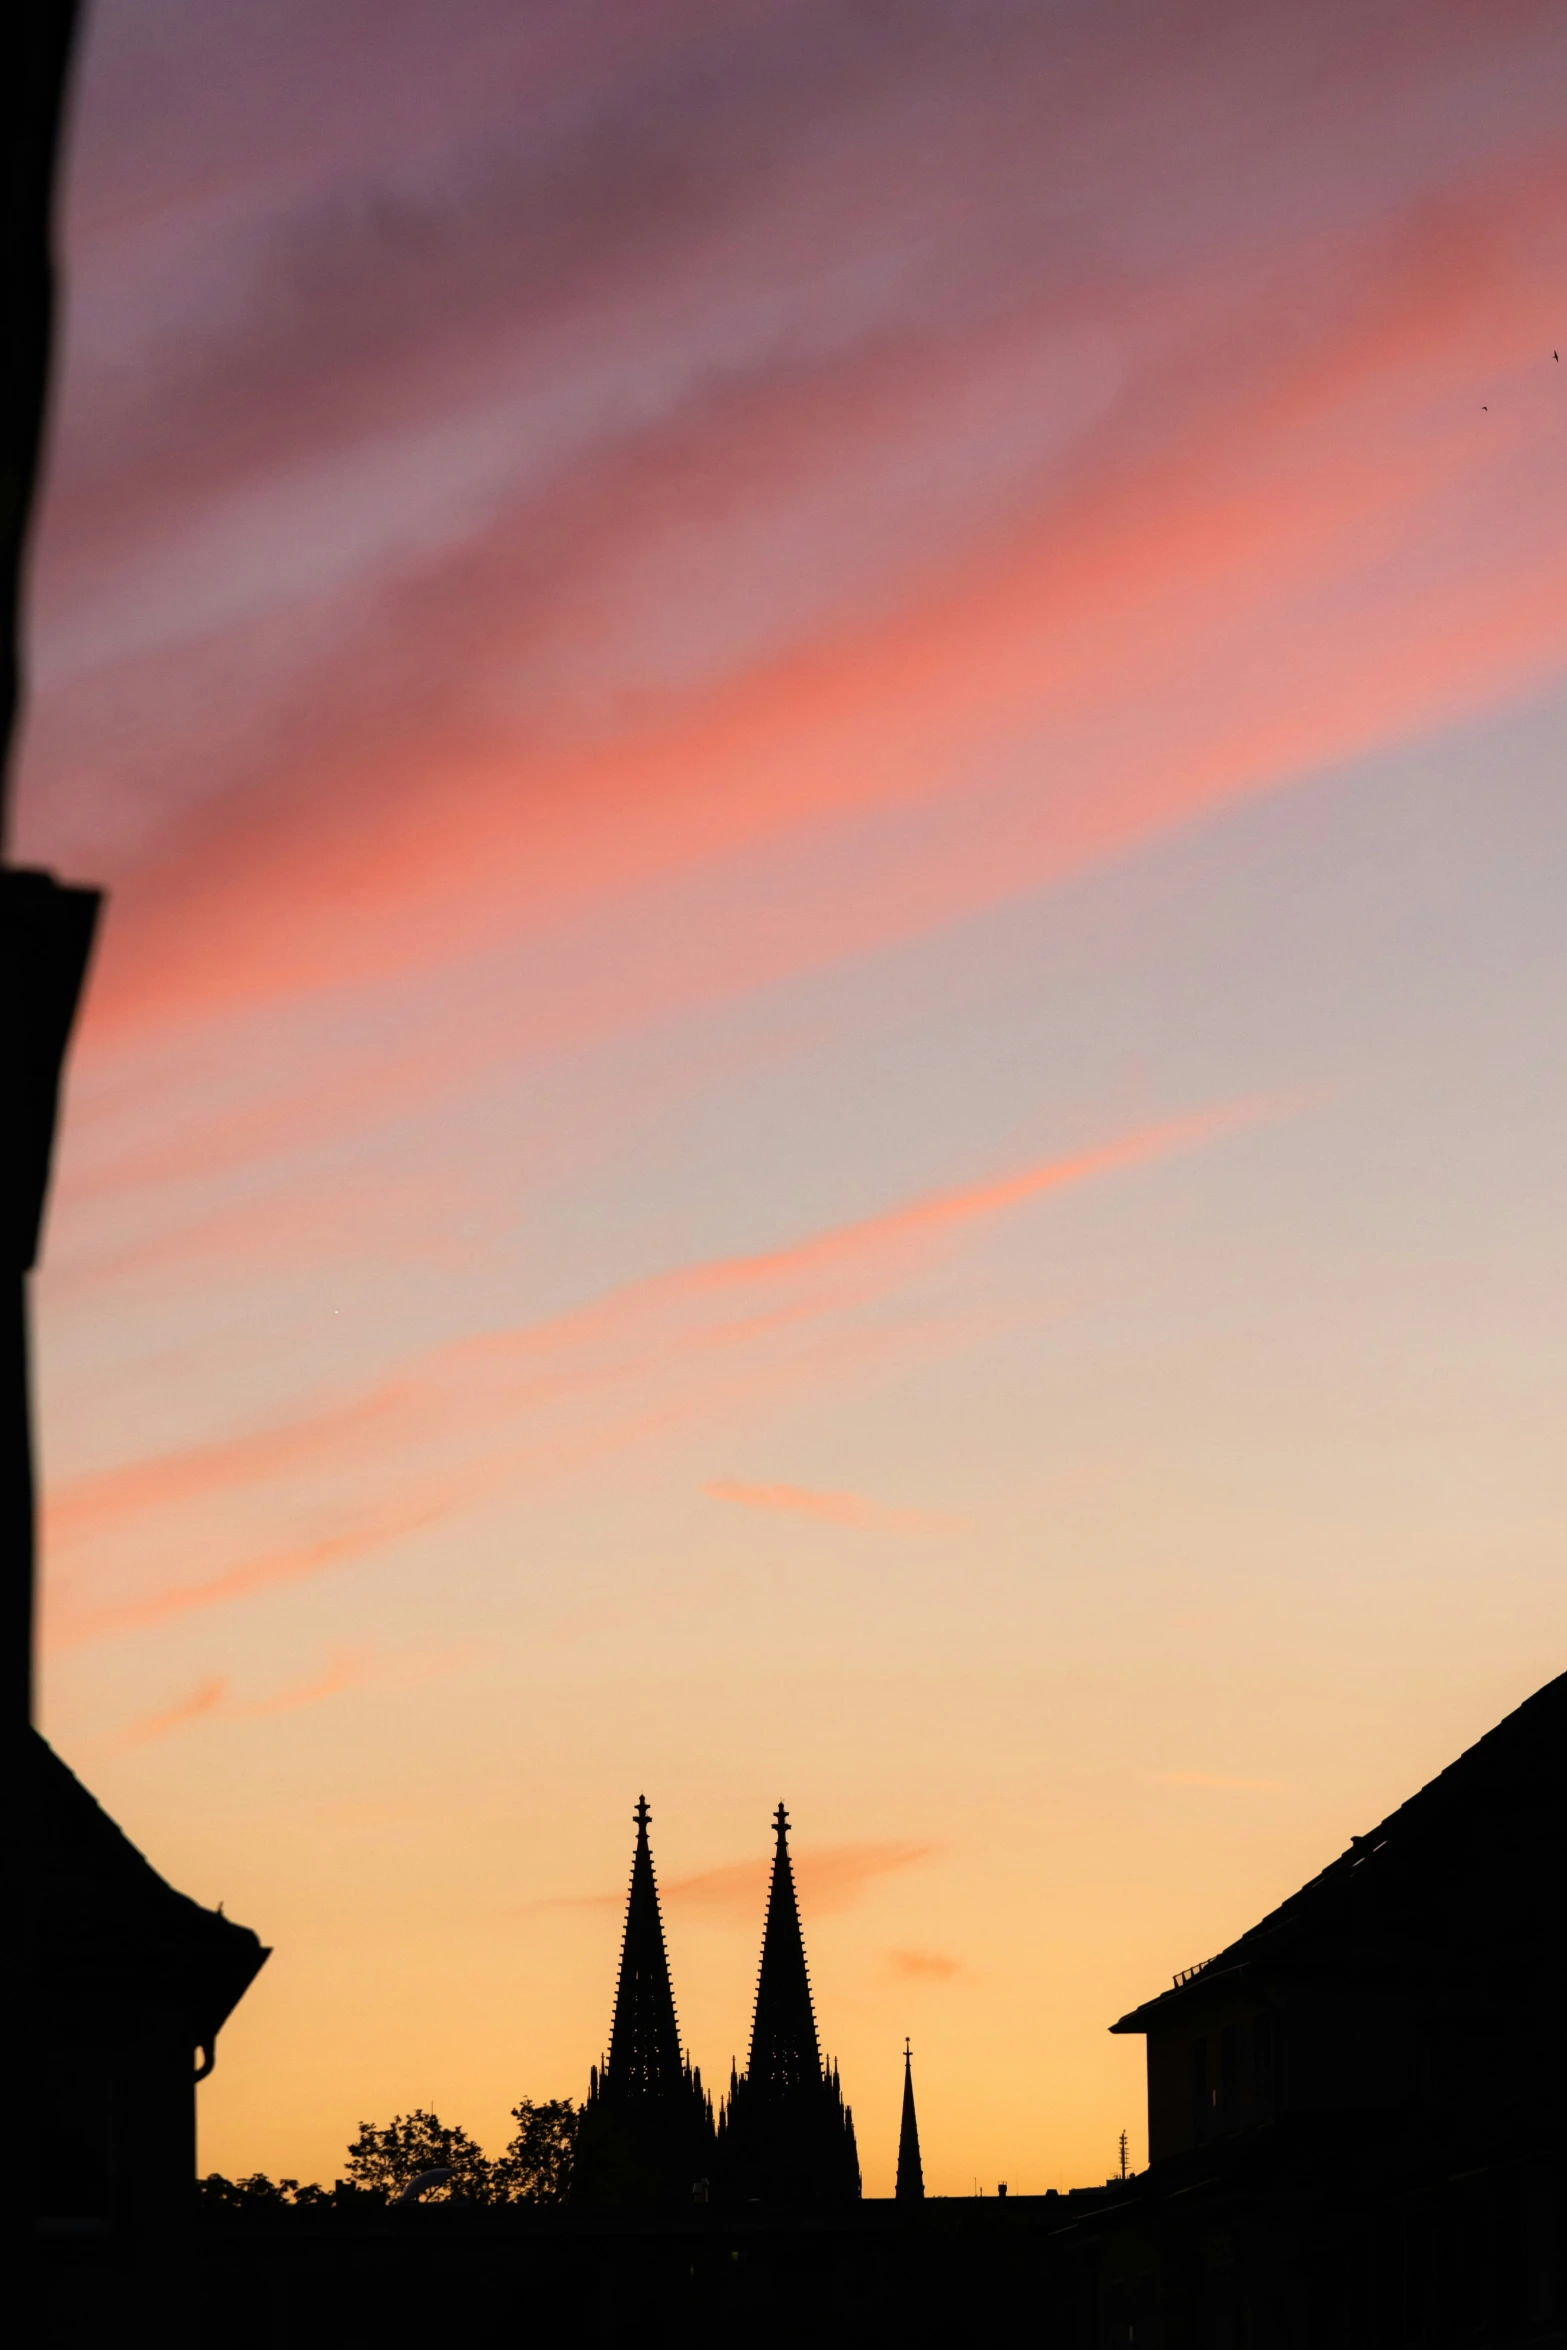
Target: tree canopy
{"x":384,"y":2159}
{"x":390,"y":2159}
{"x":536,"y":2166}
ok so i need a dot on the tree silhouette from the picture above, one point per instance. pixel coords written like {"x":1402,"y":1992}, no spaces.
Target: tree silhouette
{"x":257,"y":2193}
{"x":259,"y":2197}
{"x":387,"y":2160}
{"x":536,"y":2166}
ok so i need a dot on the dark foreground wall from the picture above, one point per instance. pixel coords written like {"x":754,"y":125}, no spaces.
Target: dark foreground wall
{"x":1296,"y":2247}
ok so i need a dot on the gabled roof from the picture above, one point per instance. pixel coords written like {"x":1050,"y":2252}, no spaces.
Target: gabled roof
{"x":105,"y":1930}
{"x":1468,"y":1875}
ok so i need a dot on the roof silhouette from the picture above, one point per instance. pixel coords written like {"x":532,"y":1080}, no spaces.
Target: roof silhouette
{"x":101,"y":1914}
{"x":1466,"y":1867}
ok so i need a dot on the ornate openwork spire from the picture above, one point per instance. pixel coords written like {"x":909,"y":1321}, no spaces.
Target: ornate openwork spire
{"x":647,"y":2128}
{"x":786,"y":2135}
{"x":784,"y":2051}
{"x":911,"y":2178}
{"x":644,"y":2041}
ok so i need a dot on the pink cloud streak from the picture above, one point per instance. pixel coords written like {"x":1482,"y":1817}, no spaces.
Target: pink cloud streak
{"x":830,"y":1878}
{"x":833,"y":1509}
{"x":211,"y":1699}
{"x":71,"y":1621}
{"x":1160,"y":605}
{"x":923,"y":1966}
{"x":590,"y":1380}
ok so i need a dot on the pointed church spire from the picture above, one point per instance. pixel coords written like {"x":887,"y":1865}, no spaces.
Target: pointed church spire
{"x":784,"y":2052}
{"x":786,"y":2134}
{"x":646,"y":2133}
{"x":644,"y":2040}
{"x":911,"y":2178}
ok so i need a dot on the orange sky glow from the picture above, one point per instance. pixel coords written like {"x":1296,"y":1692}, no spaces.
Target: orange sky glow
{"x":827,"y":1056}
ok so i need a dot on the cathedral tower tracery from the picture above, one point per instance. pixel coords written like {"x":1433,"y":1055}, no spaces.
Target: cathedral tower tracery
{"x":785,"y":2134}
{"x":646,"y":2134}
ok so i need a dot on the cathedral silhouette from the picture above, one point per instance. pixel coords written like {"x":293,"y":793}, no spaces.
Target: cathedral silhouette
{"x":783,"y":2134}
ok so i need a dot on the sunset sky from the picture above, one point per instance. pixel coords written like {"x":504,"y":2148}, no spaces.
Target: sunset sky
{"x":829,"y":1058}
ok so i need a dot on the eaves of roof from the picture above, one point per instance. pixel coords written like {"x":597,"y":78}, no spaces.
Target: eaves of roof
{"x":1497,"y":1807}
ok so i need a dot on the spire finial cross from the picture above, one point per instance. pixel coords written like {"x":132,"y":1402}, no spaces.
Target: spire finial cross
{"x":642,"y":1814}
{"x":781,"y":1822}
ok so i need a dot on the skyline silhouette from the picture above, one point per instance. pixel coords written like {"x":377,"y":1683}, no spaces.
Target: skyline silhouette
{"x":1341,"y":2139}
{"x":1343,"y":2098}
{"x":826,"y":1050}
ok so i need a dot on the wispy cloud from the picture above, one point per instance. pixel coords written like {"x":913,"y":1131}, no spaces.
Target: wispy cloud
{"x":834,"y":1876}
{"x":71,"y":1618}
{"x":345,"y":1671}
{"x":499,"y":642}
{"x":214,"y":1698}
{"x":205,"y":1699}
{"x":1219,"y":1780}
{"x":833,"y":1509}
{"x":923,"y":1966}
{"x":109,"y":1496}
{"x":550,"y":1395}
{"x":829,"y":1878}
{"x":938,"y":1211}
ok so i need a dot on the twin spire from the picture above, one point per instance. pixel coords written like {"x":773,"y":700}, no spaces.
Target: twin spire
{"x":647,"y":2133}
{"x":785,"y":2134}
{"x":784,"y":2053}
{"x":644,"y":2043}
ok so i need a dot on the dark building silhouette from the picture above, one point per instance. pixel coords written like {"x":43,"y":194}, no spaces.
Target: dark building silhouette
{"x":785,"y":2134}
{"x":46,"y":928}
{"x":1396,"y":1987}
{"x":1387,"y":2175}
{"x":120,"y":1984}
{"x":131,"y":1984}
{"x":911,"y":2177}
{"x":1354,"y":2108}
{"x":646,"y":2135}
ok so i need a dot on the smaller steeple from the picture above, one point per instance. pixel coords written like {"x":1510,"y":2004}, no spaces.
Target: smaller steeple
{"x":911,"y":2178}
